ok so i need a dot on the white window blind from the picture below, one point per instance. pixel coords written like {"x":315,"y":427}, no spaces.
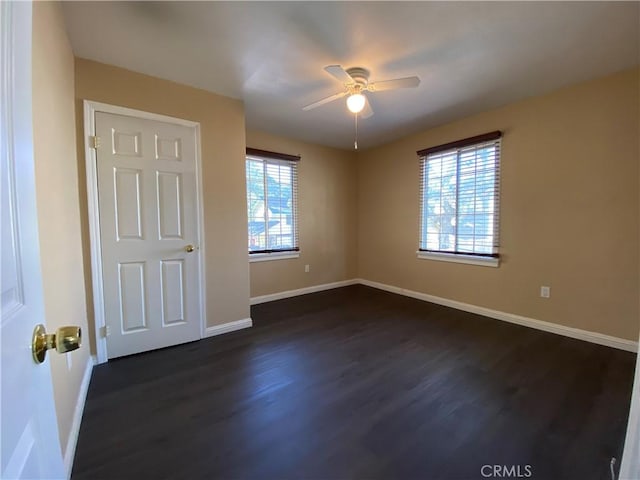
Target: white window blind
{"x":460,"y":196}
{"x":272,"y":201}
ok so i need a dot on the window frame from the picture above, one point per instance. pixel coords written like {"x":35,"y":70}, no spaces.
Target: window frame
{"x":470,"y":258}
{"x":274,"y":158}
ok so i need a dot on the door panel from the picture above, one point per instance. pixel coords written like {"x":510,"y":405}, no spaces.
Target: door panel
{"x":169,"y":188}
{"x":168,"y":148}
{"x":126,"y":144}
{"x":148,"y":204}
{"x":172,"y":292}
{"x":133,"y":295}
{"x":128,"y":206}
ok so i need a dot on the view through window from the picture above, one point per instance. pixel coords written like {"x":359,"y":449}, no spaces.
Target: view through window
{"x":271,"y":202}
{"x":459,"y":192}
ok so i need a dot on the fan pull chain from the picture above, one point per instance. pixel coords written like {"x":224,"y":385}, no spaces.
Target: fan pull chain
{"x":355,"y":143}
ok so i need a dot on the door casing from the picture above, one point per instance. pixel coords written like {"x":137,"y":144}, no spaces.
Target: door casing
{"x":90,"y":108}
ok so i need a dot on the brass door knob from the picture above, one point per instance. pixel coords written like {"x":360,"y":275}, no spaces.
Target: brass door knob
{"x":66,"y":339}
{"x":189,"y":248}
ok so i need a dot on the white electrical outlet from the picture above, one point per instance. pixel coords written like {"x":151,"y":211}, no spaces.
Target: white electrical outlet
{"x":545,"y":292}
{"x":306,"y":269}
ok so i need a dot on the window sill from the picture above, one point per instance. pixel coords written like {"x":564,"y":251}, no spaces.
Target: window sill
{"x":266,"y":257}
{"x":458,"y":258}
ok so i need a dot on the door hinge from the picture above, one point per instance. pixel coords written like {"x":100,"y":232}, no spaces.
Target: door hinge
{"x":94,"y":141}
{"x":105,"y":331}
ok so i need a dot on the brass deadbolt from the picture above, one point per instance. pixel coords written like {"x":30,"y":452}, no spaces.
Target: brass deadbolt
{"x":66,"y":339}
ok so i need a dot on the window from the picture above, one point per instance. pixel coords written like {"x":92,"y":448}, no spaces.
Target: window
{"x":459,"y":195}
{"x":272,"y":193}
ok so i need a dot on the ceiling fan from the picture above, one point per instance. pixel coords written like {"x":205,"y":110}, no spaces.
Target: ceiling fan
{"x":356,"y":82}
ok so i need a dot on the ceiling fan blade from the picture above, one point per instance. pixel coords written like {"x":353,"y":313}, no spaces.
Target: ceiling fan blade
{"x":324,"y":100}
{"x":339,"y":73}
{"x":407,"y":82}
{"x":367,"y":111}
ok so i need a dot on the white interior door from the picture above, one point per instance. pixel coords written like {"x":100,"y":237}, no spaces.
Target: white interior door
{"x":29,"y":432}
{"x":147,"y":190}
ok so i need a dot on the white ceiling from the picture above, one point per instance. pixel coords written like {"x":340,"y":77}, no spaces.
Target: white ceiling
{"x":470,"y":56}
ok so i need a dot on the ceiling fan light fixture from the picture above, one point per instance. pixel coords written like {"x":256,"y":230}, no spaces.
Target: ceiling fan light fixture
{"x":355,"y":102}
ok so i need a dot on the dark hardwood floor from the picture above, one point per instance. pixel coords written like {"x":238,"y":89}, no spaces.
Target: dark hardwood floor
{"x":359,"y":383}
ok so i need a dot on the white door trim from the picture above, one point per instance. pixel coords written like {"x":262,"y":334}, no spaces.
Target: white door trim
{"x":630,"y":466}
{"x":90,"y":109}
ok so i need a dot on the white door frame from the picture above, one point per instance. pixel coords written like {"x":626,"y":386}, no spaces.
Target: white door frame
{"x":90,"y":109}
{"x":630,"y":466}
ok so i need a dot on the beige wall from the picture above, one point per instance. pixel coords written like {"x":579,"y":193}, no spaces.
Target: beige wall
{"x":57,"y":201}
{"x":569,"y":210}
{"x":223,"y":145}
{"x":327,"y":213}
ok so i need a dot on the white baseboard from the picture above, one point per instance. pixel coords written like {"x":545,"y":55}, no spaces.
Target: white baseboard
{"x":227,"y":327}
{"x":301,"y":291}
{"x":577,"y":333}
{"x":72,"y":440}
